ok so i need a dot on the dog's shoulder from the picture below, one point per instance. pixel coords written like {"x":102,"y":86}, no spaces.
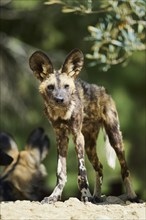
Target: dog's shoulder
{"x":89,"y":91}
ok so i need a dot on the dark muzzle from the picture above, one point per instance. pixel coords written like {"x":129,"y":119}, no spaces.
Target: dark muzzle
{"x":59,"y":100}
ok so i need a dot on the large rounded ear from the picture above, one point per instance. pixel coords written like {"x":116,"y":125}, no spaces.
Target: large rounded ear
{"x":38,"y":143}
{"x":40,"y":65}
{"x":8,"y":147}
{"x":7,"y":143}
{"x":73,"y":63}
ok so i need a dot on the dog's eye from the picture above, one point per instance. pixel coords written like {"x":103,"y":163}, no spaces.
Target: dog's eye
{"x":50,"y":87}
{"x":66,"y":86}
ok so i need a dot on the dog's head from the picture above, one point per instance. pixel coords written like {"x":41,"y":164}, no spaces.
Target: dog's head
{"x":24,"y":177}
{"x":57,"y":86}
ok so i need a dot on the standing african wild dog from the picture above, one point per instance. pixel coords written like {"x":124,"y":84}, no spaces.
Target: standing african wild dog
{"x":76,"y":107}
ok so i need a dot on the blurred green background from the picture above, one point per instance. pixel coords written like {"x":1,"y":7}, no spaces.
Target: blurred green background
{"x":30,"y":25}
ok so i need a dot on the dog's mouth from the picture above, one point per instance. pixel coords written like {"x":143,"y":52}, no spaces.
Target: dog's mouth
{"x":63,"y":105}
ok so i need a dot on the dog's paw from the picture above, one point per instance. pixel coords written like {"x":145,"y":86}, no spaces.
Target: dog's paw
{"x":49,"y":200}
{"x":96,"y":199}
{"x":126,"y":198}
{"x":86,"y":199}
{"x":93,"y":199}
{"x":135,"y":200}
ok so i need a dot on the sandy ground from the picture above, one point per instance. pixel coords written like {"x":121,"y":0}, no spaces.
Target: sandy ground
{"x":73,"y":209}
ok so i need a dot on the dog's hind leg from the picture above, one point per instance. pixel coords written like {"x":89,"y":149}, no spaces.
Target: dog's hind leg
{"x":111,"y":124}
{"x":90,"y":135}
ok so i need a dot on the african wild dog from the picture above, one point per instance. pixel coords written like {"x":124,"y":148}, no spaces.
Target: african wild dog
{"x":24,"y":178}
{"x":76,"y":107}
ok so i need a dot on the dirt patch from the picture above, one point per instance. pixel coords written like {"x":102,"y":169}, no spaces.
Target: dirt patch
{"x":73,"y":209}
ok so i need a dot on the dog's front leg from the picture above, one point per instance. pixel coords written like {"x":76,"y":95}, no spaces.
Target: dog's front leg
{"x":62,"y":146}
{"x":82,"y":175}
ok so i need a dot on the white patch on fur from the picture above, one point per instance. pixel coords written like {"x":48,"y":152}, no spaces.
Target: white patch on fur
{"x":43,"y":170}
{"x":13,"y":145}
{"x":110,"y":153}
{"x":45,"y":69}
{"x":82,"y":167}
{"x":61,"y":172}
{"x":85,"y":193}
{"x":59,"y":166}
{"x":60,"y":169}
{"x":70,"y":111}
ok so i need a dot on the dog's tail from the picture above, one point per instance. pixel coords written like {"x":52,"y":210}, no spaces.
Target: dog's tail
{"x":110,"y":153}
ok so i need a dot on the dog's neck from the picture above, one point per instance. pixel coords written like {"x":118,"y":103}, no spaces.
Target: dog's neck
{"x":64,"y":113}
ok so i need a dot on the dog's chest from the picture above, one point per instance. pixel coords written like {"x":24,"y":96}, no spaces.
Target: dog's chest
{"x":54,"y":114}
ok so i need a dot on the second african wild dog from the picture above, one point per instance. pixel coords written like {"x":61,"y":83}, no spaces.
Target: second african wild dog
{"x":76,"y":107}
{"x":23,"y":177}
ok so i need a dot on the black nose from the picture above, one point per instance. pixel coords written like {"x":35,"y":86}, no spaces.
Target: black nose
{"x":59,"y":100}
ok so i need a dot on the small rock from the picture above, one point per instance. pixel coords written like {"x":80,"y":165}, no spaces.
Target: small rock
{"x":128,"y":202}
{"x":114,"y":200}
{"x":123,"y":197}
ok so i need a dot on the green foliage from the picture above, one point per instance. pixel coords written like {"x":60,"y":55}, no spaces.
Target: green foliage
{"x":25,"y":5}
{"x":119,"y":31}
{"x":82,"y":6}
